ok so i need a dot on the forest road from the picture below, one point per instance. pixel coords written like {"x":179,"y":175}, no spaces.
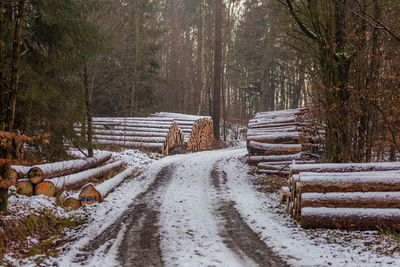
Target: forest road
{"x":184,"y":218}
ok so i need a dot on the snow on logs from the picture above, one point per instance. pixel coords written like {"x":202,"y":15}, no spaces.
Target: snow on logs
{"x":90,"y":193}
{"x":49,"y":187}
{"x":38,"y":173}
{"x":161,"y":132}
{"x":274,"y":140}
{"x":362,"y":196}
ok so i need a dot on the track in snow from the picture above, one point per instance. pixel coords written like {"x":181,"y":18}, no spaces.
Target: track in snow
{"x":183,"y":219}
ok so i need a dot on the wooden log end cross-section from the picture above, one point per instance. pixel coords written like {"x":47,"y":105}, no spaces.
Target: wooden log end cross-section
{"x":278,"y":136}
{"x":24,"y":187}
{"x":72,"y":203}
{"x":89,"y":195}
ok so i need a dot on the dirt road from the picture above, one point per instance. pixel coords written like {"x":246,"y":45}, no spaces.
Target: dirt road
{"x":183,"y":219}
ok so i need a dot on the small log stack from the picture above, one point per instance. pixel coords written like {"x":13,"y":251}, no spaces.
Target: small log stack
{"x":38,"y":173}
{"x":160,"y":132}
{"x":275,"y":139}
{"x":90,"y":193}
{"x":202,"y":136}
{"x":354,"y":196}
{"x":50,"y":187}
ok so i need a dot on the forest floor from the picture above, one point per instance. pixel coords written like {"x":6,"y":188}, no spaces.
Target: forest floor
{"x":206,"y":209}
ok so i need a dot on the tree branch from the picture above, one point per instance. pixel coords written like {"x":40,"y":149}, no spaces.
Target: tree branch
{"x":302,"y":26}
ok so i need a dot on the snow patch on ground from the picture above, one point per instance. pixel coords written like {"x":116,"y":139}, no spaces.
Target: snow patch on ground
{"x":265,"y":216}
{"x":189,"y":227}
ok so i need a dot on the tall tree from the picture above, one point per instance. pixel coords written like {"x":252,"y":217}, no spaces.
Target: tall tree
{"x":216,"y":115}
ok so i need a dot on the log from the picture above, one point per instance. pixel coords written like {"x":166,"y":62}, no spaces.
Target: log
{"x":284,"y":193}
{"x":274,"y":125}
{"x":263,"y":120}
{"x":254,"y":160}
{"x":149,"y":146}
{"x":350,"y":218}
{"x":276,"y":138}
{"x":274,"y":172}
{"x":381,"y":200}
{"x":40,"y":172}
{"x":21,"y":170}
{"x":91,"y":194}
{"x":346,"y":167}
{"x":384,"y":181}
{"x":257,"y":148}
{"x":50,"y":187}
{"x":254,"y":132}
{"x":24,"y":187}
{"x":139,"y":139}
{"x":72,"y":203}
{"x":129,"y":133}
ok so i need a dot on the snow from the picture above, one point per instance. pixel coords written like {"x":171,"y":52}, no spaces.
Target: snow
{"x":60,"y":182}
{"x":338,"y":167}
{"x":21,"y":169}
{"x":274,"y":135}
{"x":188,"y":222}
{"x":299,"y":247}
{"x":71,"y":164}
{"x":276,"y":158}
{"x":392,"y":177}
{"x":351,"y":195}
{"x":105,"y":187}
{"x":272,"y":147}
{"x":191,"y":226}
{"x":130,"y":144}
{"x":343,"y":212}
{"x":179,"y":116}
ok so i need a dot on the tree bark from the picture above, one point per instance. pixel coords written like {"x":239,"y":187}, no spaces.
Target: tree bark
{"x":217,"y":69}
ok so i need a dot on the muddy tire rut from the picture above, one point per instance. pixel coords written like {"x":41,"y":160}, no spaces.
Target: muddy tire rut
{"x":237,"y":235}
{"x":140,"y":245}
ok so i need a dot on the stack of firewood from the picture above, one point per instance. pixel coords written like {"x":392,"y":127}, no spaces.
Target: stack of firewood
{"x":175,"y":138}
{"x":354,"y":196}
{"x":274,"y":140}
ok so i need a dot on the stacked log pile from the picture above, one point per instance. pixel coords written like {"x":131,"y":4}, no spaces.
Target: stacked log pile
{"x":197,"y":130}
{"x":26,"y":185}
{"x":161,"y":132}
{"x":354,"y":196}
{"x":84,"y":174}
{"x":274,"y":140}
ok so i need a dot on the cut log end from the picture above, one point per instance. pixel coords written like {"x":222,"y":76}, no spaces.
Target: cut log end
{"x":283,"y":193}
{"x":35,"y":175}
{"x":24,"y":188}
{"x":89,"y":195}
{"x":72,"y":203}
{"x":13,"y":178}
{"x":46,"y":188}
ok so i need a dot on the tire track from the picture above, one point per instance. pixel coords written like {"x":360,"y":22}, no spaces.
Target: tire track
{"x":140,"y":245}
{"x":237,"y":235}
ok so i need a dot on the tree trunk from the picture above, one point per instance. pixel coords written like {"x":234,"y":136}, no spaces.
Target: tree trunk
{"x":217,"y":69}
{"x":203,"y":69}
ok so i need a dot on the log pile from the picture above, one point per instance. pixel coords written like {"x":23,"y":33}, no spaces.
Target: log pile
{"x":160,"y":132}
{"x":201,"y":136}
{"x":30,"y":177}
{"x":353,"y":196}
{"x":275,"y":139}
{"x":90,"y":193}
{"x":197,"y":130}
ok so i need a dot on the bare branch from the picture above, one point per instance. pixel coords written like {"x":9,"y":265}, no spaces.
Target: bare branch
{"x":302,"y":26}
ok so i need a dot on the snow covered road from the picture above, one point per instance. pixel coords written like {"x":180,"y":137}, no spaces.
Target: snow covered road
{"x":181,"y":218}
{"x":202,"y":209}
